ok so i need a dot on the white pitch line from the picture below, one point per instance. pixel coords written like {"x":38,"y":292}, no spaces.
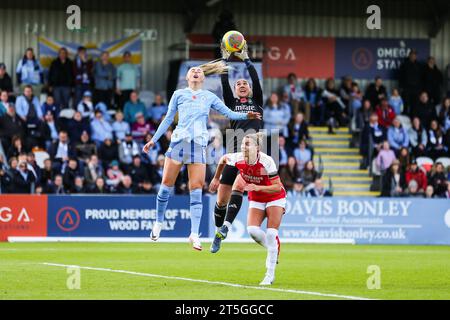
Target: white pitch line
{"x":312,"y":293}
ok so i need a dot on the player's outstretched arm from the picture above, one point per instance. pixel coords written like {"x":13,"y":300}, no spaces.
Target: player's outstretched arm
{"x":220,"y":107}
{"x":214,"y":185}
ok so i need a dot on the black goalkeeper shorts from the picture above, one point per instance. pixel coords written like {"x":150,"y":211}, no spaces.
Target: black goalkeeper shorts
{"x":229,"y":174}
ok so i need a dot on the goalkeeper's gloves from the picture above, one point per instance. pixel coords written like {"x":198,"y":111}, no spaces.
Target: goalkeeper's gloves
{"x":243,"y":54}
{"x":225,"y":54}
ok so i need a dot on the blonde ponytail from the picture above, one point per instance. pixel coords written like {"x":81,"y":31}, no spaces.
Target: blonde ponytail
{"x":217,"y":66}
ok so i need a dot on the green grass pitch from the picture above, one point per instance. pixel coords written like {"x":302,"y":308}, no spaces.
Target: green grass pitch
{"x":407,"y":272}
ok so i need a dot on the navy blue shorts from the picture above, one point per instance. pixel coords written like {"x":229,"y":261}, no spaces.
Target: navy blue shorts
{"x":186,"y":152}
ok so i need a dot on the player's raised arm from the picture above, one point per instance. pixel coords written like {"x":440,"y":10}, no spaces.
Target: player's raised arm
{"x":220,"y":107}
{"x":256,"y":85}
{"x":227,"y":92}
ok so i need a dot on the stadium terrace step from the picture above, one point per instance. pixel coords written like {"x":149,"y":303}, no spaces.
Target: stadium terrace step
{"x":334,"y":151}
{"x":337,"y":157}
{"x":331,"y":143}
{"x":339,"y":165}
{"x":334,"y":137}
{"x":325,"y":130}
{"x":357,"y":193}
{"x":351,"y":187}
{"x":347,"y":179}
{"x":350,"y":173}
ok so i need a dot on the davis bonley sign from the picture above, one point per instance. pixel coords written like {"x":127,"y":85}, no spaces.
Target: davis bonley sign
{"x":364,"y":220}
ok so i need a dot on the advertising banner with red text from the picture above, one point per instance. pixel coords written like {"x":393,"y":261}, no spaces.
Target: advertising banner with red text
{"x":23,"y":215}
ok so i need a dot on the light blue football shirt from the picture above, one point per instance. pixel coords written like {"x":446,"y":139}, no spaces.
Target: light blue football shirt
{"x":193,"y":110}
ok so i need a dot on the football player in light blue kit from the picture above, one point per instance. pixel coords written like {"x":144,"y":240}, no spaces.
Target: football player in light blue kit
{"x":188,"y":143}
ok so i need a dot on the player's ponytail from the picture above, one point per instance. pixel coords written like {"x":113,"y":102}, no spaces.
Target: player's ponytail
{"x":214,"y":67}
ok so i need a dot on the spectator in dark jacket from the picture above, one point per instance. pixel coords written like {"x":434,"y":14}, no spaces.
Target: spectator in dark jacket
{"x":85,"y":148}
{"x":375,"y":133}
{"x":70,"y":174}
{"x":393,"y":182}
{"x":437,"y":145}
{"x":100,"y":186}
{"x":57,"y":187}
{"x":105,"y":76}
{"x":411,"y":81}
{"x":289,"y":173}
{"x":375,"y":92}
{"x":61,"y":78}
{"x":76,"y":126}
{"x":5,"y":81}
{"x":318,"y":191}
{"x":126,"y":186}
{"x":424,"y":109}
{"x":16,"y":148}
{"x":83,"y":71}
{"x":61,"y":150}
{"x":433,"y":81}
{"x":10,"y":125}
{"x":313,"y":101}
{"x":48,"y":174}
{"x":298,"y":129}
{"x":108,"y":152}
{"x":93,"y":170}
{"x":138,"y":172}
{"x":24,"y":180}
{"x":438,"y":179}
{"x":50,"y":106}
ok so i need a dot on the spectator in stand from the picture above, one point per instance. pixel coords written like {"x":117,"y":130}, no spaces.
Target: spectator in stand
{"x":57,"y":187}
{"x":128,"y":149}
{"x":126,"y":186}
{"x":133,"y":107}
{"x":214,"y":151}
{"x":76,"y":126}
{"x":5,"y":179}
{"x":418,"y":138}
{"x":397,"y":136}
{"x":376,"y":91}
{"x":446,"y":194}
{"x":298,"y":190}
{"x":424,"y":109}
{"x":4,"y":102}
{"x":437,"y":179}
{"x":70,"y":173}
{"x":141,"y":128}
{"x":120,"y":127}
{"x":138,"y":172}
{"x":104,"y":78}
{"x":276,"y":115}
{"x":309,"y":175}
{"x":416,"y":174}
{"x":385,"y":157}
{"x":92,"y":171}
{"x":5,"y":81}
{"x":298,"y":129}
{"x":404,"y":158}
{"x":302,"y":155}
{"x":101,"y":129}
{"x":356,"y":98}
{"x":284,"y":151}
{"x":413,"y":190}
{"x":411,"y":81}
{"x":318,"y":191}
{"x":16,"y":148}
{"x":50,"y":106}
{"x":437,"y":145}
{"x":86,"y":106}
{"x":375,"y":133}
{"x":24,"y":181}
{"x":50,"y":130}
{"x":385,"y":113}
{"x":48,"y":174}
{"x":29,"y":72}
{"x":27,"y":105}
{"x":147,"y":188}
{"x":335,"y":109}
{"x":114,"y":174}
{"x":432,"y":80}
{"x":158,"y":110}
{"x":100,"y":187}
{"x":345,"y":91}
{"x":363,"y":114}
{"x":294,"y":90}
{"x":393,"y":183}
{"x":314,"y":102}
{"x":79,"y":186}
{"x":85,"y":148}
{"x":443,"y":113}
{"x":61,"y":78}
{"x":289,"y":173}
{"x":396,"y":101}
{"x":108,"y":152}
{"x":128,"y":79}
{"x":429,"y":192}
{"x":83,"y":71}
{"x":60,"y":151}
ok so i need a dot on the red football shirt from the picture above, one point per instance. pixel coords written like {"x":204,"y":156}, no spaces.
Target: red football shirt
{"x":259,"y":173}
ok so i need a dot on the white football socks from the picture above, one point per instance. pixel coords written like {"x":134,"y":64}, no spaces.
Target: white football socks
{"x":258,"y":235}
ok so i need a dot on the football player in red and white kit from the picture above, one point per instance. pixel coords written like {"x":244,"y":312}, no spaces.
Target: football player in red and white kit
{"x":266,"y":194}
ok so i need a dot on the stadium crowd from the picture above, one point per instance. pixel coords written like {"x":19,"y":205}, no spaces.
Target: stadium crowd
{"x":93,"y":126}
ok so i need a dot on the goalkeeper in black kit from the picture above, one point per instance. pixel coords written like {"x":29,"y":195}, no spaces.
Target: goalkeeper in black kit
{"x":245,"y":98}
